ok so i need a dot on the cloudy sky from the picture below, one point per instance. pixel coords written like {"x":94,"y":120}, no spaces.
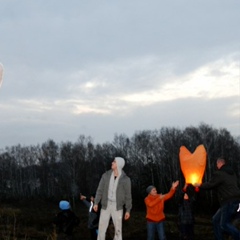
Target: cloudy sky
{"x":100,"y":68}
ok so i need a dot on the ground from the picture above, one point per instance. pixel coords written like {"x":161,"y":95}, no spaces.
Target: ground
{"x":33,"y":220}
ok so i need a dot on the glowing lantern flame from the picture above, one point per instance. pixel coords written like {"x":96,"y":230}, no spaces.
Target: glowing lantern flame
{"x":193,"y":164}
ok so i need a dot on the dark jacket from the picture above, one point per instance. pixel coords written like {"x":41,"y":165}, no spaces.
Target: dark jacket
{"x":65,"y":222}
{"x":93,"y":217}
{"x":225,"y":181}
{"x":185,"y":213}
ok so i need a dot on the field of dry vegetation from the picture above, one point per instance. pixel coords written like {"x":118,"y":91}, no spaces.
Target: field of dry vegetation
{"x":33,"y":220}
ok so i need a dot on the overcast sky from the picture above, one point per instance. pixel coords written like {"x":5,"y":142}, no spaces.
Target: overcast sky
{"x":100,"y":68}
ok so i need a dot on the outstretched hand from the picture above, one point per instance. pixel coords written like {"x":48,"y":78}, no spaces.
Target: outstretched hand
{"x":82,"y":197}
{"x":175,"y":184}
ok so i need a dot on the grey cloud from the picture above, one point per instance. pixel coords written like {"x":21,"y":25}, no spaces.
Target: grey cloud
{"x":81,"y":33}
{"x":180,"y":114}
{"x":50,"y":50}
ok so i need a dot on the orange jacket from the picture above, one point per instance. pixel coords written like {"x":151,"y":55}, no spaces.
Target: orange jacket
{"x":155,"y":205}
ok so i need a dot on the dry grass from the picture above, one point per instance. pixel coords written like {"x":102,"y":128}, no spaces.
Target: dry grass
{"x":33,"y":220}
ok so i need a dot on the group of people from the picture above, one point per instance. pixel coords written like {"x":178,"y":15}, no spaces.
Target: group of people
{"x":113,"y":200}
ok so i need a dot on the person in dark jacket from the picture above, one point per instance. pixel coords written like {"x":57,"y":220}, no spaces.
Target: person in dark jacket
{"x":185,"y":212}
{"x":93,"y":217}
{"x":65,"y":221}
{"x":225,"y":181}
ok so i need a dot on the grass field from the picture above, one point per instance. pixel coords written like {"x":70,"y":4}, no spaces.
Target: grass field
{"x":33,"y":220}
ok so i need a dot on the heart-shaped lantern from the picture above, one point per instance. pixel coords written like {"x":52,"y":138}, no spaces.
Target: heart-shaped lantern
{"x":193,"y":164}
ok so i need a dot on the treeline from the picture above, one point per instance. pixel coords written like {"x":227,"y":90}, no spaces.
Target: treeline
{"x":56,"y":171}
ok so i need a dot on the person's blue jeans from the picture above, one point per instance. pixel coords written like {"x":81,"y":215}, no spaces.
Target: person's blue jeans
{"x":152,"y":228}
{"x":222,"y":221}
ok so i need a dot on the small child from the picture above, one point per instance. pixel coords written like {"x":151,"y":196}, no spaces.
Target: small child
{"x":65,"y":221}
{"x":93,"y":217}
{"x":185,"y":214}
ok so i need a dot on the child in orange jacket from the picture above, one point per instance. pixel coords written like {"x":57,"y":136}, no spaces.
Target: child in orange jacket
{"x":155,"y":210}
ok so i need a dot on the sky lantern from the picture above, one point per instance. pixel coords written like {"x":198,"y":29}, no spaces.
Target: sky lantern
{"x":193,"y":164}
{"x":1,"y":74}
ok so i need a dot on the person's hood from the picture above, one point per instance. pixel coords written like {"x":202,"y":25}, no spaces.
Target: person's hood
{"x":120,"y":164}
